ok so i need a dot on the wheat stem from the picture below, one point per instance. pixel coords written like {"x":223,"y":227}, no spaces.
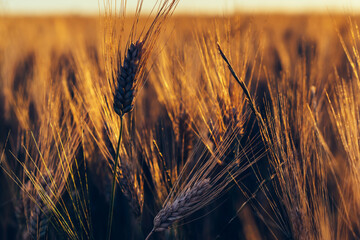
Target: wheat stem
{"x":111,"y":209}
{"x":150,"y":234}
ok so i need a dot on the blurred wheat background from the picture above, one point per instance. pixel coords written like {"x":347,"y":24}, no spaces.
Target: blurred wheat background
{"x":242,"y":126}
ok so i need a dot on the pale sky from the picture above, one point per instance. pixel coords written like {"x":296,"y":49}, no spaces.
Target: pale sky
{"x":185,"y":6}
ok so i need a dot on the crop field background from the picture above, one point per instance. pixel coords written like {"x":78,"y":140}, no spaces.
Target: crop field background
{"x":244,"y":126}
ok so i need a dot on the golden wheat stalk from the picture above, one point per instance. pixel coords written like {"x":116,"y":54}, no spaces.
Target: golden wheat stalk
{"x":123,"y":103}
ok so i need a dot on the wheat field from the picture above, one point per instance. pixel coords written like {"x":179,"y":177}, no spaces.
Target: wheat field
{"x":167,"y":126}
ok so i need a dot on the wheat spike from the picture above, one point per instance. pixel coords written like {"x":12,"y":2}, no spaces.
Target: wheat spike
{"x":126,"y":82}
{"x":39,"y":213}
{"x":22,"y":210}
{"x":181,"y":206}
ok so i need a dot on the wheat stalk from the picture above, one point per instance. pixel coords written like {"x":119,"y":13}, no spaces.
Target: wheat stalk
{"x":123,"y":99}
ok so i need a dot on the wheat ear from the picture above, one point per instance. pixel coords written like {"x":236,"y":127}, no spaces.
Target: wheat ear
{"x":180,"y":207}
{"x":126,"y":79}
{"x":39,"y":213}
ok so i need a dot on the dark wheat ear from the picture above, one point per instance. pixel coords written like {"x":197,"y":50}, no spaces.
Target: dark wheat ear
{"x":181,"y":207}
{"x":126,"y":82}
{"x":39,"y":213}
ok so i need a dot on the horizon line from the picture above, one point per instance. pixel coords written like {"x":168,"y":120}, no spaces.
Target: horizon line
{"x":146,"y":13}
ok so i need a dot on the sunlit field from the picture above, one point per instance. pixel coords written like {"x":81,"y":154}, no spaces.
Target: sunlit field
{"x":162,"y":126}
